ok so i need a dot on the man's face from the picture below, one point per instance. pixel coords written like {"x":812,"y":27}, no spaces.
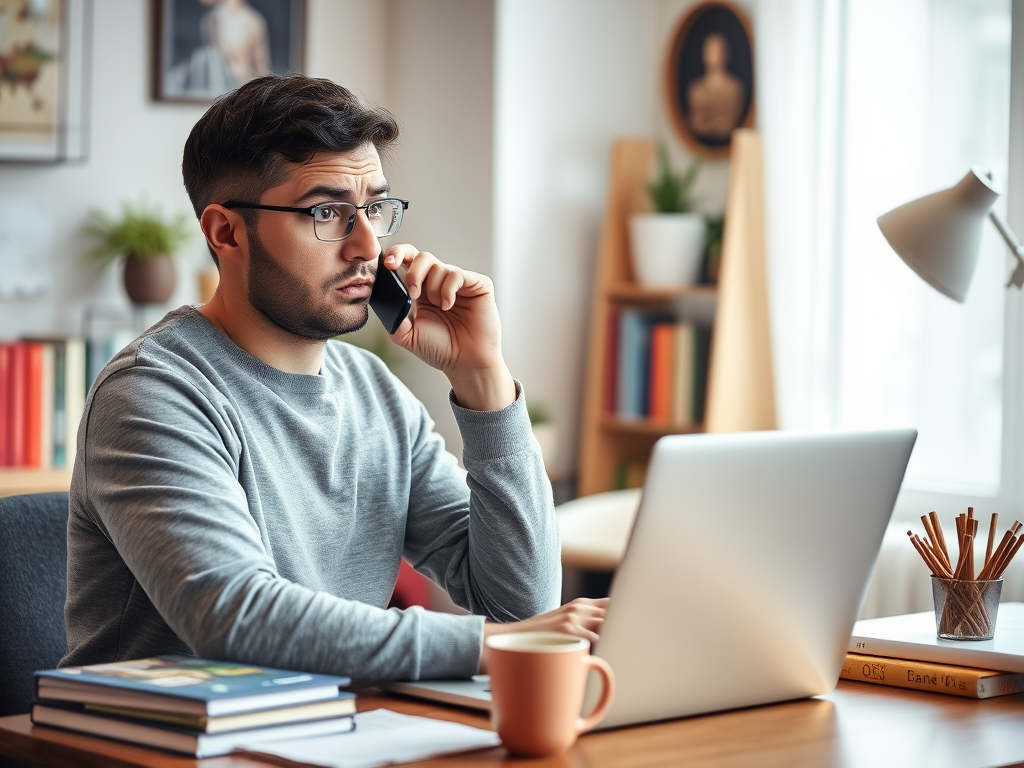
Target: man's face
{"x":312,"y":289}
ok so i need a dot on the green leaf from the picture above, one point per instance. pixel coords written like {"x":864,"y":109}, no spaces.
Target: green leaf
{"x":138,"y":232}
{"x":670,"y":192}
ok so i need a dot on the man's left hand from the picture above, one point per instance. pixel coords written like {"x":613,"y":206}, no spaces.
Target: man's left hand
{"x":456,"y":328}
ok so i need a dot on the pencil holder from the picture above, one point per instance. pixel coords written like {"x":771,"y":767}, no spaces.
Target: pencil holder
{"x":965,"y":609}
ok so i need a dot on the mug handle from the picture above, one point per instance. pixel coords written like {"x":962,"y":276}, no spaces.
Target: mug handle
{"x":603,"y":668}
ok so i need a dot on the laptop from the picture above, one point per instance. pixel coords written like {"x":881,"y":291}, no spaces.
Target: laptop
{"x":745,"y":571}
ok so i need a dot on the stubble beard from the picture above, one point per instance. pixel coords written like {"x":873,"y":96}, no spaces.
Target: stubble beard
{"x":290,"y":304}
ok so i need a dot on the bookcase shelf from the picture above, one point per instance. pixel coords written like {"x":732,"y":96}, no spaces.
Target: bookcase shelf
{"x":646,"y":427}
{"x":740,"y":386}
{"x":630,"y":293}
{"x":14,"y":482}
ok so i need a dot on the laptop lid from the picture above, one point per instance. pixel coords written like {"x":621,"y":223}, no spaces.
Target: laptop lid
{"x":746,"y":569}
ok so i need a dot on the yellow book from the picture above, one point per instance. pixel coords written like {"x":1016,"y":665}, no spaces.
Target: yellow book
{"x":929,"y":676}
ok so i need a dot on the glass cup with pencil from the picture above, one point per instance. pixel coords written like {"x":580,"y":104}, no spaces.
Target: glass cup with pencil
{"x":966,"y":605}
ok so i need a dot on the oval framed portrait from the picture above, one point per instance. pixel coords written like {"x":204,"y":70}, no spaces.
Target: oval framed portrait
{"x":709,"y":77}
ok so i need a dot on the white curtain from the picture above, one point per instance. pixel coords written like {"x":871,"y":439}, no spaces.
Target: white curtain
{"x":865,"y":105}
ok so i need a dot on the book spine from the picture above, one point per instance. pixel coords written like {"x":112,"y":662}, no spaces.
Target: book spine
{"x":18,"y":413}
{"x":661,"y":372}
{"x":625,"y":337}
{"x":702,"y":357}
{"x":642,"y":368}
{"x":46,"y":405}
{"x":5,"y":405}
{"x":75,"y":387}
{"x":59,"y":427}
{"x":34,"y":405}
{"x":611,"y":365}
{"x":682,"y":388}
{"x":931,"y":677}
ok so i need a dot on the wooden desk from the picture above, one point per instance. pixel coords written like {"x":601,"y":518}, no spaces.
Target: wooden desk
{"x":856,"y":725}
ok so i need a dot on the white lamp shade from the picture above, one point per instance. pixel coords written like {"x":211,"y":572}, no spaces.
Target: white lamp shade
{"x":938,"y":235}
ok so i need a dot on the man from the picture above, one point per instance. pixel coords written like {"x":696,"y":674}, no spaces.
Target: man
{"x":245,"y":490}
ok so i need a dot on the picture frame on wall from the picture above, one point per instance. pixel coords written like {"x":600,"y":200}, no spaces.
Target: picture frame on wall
{"x":206,"y":48}
{"x":44,"y":61}
{"x":709,"y":77}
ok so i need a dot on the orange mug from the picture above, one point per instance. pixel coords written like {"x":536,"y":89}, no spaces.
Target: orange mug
{"x":537,"y":686}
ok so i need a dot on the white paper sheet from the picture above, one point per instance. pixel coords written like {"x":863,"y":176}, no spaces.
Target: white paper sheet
{"x":381,"y":737}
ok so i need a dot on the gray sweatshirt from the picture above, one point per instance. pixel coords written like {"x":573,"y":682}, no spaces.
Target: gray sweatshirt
{"x":222,"y":507}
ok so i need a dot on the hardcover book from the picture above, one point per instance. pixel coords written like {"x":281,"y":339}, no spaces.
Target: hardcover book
{"x":912,"y":636}
{"x":935,"y":678}
{"x":188,"y":741}
{"x":185,"y":684}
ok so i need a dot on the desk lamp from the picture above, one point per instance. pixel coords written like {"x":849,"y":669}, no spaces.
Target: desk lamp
{"x":938,"y":235}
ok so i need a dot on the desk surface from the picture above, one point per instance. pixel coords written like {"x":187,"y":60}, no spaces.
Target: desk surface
{"x":856,"y":725}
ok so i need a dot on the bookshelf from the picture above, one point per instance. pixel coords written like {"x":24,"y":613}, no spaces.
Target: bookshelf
{"x":740,"y":388}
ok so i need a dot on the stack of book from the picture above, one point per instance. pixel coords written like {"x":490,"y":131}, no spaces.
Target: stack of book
{"x":657,"y":368}
{"x":903,"y":651}
{"x":198,"y":707}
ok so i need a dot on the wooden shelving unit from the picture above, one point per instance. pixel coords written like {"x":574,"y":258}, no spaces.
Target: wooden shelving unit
{"x":14,"y":482}
{"x":741,"y":394}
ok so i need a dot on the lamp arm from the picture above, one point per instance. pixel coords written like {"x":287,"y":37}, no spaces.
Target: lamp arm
{"x":1017,"y":278}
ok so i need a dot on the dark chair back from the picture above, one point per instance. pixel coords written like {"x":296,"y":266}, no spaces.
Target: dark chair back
{"x":33,"y":586}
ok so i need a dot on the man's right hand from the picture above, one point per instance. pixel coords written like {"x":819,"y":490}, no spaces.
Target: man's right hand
{"x":582,"y":617}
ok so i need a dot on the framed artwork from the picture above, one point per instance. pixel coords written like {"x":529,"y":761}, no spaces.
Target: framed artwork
{"x":205,"y":48}
{"x":43,"y":79}
{"x":709,"y":80}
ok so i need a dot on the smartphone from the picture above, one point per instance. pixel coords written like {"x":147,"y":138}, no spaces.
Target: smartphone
{"x":389,"y":299}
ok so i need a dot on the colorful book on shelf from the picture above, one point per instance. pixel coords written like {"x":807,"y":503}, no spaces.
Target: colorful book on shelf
{"x":661,"y":369}
{"x":701,"y":364}
{"x":5,"y":405}
{"x":189,"y":741}
{"x":33,"y":429}
{"x":42,"y":397}
{"x":932,"y":677}
{"x":631,"y":355}
{"x":185,"y":685}
{"x":682,"y":377}
{"x":912,"y":636}
{"x":611,"y":365}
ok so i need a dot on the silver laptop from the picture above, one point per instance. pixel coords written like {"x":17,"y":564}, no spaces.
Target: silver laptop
{"x":745,"y":571}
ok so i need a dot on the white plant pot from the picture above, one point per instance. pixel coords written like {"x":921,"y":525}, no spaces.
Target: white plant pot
{"x":667,"y":248}
{"x":547,"y":436}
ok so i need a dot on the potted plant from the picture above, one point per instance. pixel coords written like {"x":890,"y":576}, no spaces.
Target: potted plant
{"x":147,"y":242}
{"x":668,"y":245}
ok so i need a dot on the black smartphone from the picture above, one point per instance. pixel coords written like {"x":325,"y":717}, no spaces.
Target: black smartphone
{"x":389,"y":299}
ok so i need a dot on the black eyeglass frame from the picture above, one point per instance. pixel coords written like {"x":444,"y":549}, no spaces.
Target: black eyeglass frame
{"x":230,"y":204}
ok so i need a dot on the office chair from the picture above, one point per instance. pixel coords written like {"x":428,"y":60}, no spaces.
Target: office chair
{"x":33,"y":585}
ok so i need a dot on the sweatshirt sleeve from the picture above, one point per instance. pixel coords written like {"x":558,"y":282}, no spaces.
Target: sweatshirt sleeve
{"x":157,"y":476}
{"x":497,"y":554}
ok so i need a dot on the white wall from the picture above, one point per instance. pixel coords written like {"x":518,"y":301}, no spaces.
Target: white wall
{"x":440,"y":59}
{"x":135,"y":155}
{"x":570,"y":77}
{"x":508,"y":107}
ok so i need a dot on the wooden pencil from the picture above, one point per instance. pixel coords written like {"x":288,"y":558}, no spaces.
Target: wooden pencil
{"x":991,"y":538}
{"x":940,"y":539}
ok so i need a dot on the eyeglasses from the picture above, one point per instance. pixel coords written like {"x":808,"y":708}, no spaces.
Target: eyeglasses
{"x":334,"y":221}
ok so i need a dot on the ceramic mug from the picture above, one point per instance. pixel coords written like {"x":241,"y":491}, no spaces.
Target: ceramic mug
{"x":537,"y":686}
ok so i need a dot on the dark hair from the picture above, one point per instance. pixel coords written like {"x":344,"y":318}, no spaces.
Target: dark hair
{"x":242,"y":145}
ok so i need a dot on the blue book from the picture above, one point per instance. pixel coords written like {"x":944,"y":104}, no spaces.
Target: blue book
{"x":185,"y":685}
{"x":623,"y":399}
{"x":631,"y":334}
